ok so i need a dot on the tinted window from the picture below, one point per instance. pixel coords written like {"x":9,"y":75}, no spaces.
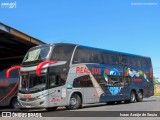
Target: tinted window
{"x":83,"y":81}
{"x":126,"y":80}
{"x":138,"y":62}
{"x":115,"y":59}
{"x":97,"y":57}
{"x":118,"y":81}
{"x":111,"y":58}
{"x":135,"y":61}
{"x":131,"y":61}
{"x":56,"y":80}
{"x":107,"y":58}
{"x":62,"y":52}
{"x":100,"y":80}
{"x":145,"y":62}
{"x":123,"y":60}
{"x":87,"y":55}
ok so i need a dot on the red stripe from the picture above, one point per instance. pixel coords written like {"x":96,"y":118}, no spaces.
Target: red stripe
{"x":40,"y":66}
{"x":14,"y":94}
{"x":10,"y":91}
{"x":10,"y":69}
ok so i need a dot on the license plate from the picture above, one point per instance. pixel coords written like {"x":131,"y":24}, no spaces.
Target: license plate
{"x":28,"y":106}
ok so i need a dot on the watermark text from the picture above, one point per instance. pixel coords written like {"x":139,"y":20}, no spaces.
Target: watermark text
{"x":10,"y":5}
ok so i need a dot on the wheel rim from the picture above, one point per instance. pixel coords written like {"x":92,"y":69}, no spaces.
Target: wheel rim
{"x":133,"y":97}
{"x":140,"y":95}
{"x":16,"y":104}
{"x":73,"y":101}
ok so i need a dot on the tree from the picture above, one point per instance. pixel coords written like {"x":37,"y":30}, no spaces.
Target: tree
{"x":155,"y":81}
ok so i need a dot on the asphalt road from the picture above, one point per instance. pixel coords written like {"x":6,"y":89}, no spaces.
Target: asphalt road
{"x":149,"y":107}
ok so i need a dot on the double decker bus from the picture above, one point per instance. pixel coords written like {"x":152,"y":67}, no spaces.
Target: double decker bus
{"x":70,"y":75}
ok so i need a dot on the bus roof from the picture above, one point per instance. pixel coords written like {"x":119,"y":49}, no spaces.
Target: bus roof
{"x":111,"y":51}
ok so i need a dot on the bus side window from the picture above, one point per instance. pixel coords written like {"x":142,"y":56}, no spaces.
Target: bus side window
{"x":118,"y":81}
{"x":52,"y":81}
{"x":97,"y":57}
{"x":113,"y":81}
{"x":144,"y":62}
{"x":138,"y":62}
{"x":123,"y":60}
{"x":76,"y":60}
{"x":83,"y":81}
{"x":56,"y":80}
{"x":115,"y":59}
{"x":107,"y":58}
{"x":101,"y":80}
{"x":62,"y":53}
{"x":131,"y":61}
{"x":82,"y":55}
{"x":126,"y":80}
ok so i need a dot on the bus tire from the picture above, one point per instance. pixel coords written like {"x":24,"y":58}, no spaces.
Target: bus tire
{"x":75,"y":102}
{"x":132,"y":97}
{"x":51,"y":108}
{"x":14,"y":103}
{"x":139,"y":96}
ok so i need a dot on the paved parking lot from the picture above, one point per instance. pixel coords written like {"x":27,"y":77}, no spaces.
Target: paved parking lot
{"x":152,"y":105}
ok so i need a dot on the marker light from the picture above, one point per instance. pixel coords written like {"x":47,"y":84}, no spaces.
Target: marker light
{"x":10,"y":69}
{"x":40,"y":66}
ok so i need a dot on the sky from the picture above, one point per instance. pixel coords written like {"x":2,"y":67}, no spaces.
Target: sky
{"x":131,"y":26}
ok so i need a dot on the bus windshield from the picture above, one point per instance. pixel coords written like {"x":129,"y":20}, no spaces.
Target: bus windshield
{"x":31,"y":82}
{"x":40,"y":53}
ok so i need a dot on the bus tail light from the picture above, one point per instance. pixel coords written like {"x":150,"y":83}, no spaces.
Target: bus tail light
{"x":10,"y":69}
{"x":151,"y":73}
{"x":40,"y":66}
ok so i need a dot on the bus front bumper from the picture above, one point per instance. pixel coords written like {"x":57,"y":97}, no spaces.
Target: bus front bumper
{"x":32,"y":103}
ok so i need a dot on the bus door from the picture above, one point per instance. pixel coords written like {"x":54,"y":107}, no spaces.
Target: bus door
{"x":57,"y":91}
{"x":90,"y":94}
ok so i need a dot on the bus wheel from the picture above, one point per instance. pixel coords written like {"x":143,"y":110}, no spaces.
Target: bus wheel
{"x":139,"y":96}
{"x":132,"y":97}
{"x":51,"y":108}
{"x":75,"y":102}
{"x":14,"y":103}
